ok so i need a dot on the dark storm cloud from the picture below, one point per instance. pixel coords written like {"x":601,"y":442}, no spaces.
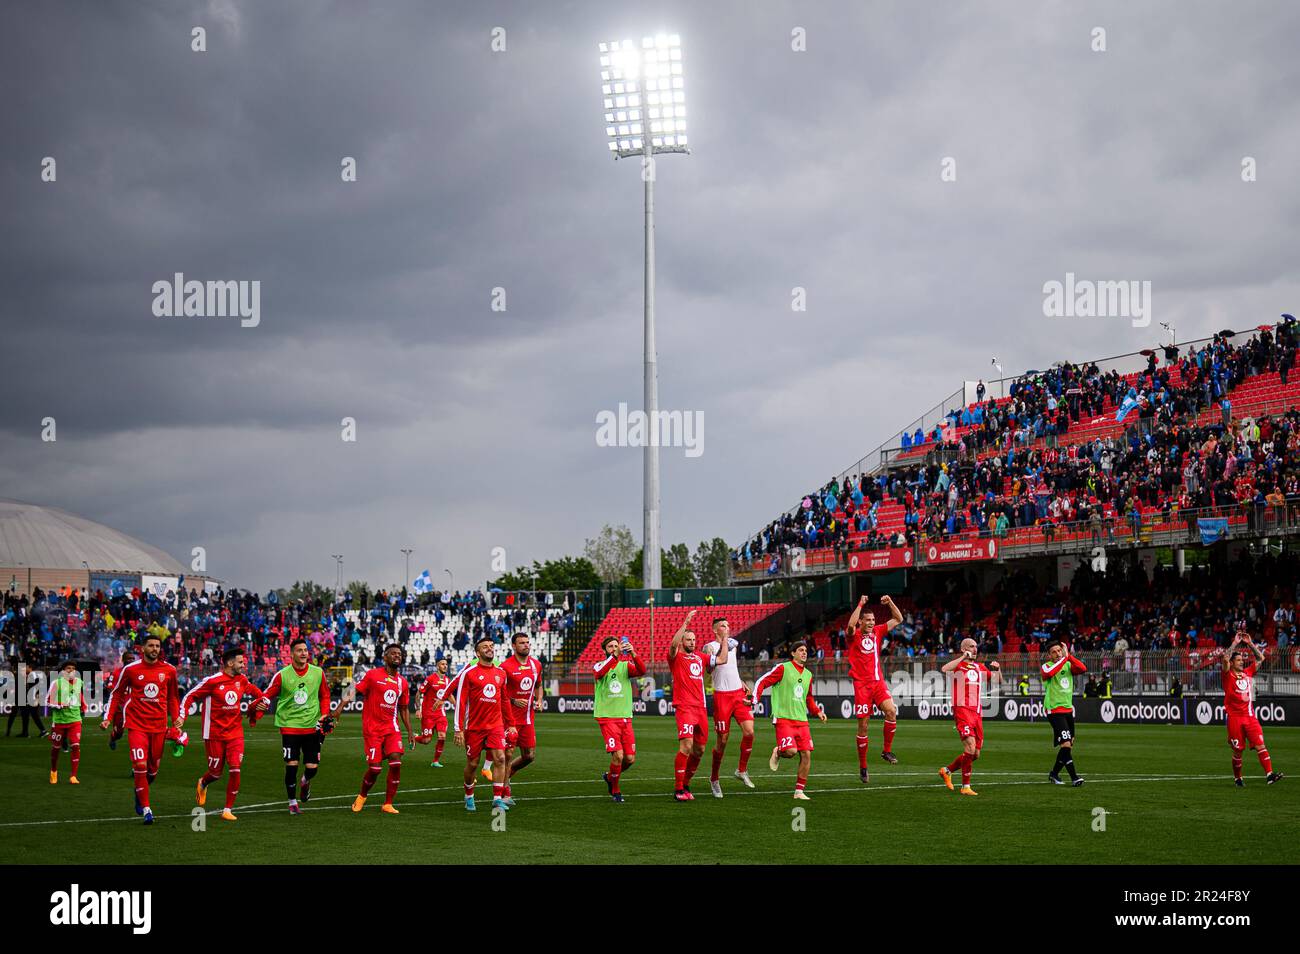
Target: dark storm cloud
{"x":480,"y":170}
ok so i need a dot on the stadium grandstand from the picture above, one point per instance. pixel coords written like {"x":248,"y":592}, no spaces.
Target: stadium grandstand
{"x":1069,"y":459}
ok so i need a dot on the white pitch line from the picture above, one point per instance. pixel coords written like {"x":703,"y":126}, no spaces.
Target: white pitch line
{"x":281,"y":806}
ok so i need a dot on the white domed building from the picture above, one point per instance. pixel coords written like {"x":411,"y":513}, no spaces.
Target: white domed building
{"x":50,"y":548}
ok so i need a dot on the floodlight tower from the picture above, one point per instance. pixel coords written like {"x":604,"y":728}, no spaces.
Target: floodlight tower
{"x":645,"y":115}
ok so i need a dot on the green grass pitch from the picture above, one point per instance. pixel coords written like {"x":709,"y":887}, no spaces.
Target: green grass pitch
{"x":1166,"y":791}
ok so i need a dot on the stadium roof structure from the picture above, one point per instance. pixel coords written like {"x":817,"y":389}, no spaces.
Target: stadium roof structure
{"x":53,"y":539}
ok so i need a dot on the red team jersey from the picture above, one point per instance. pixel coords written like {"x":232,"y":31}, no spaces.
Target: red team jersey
{"x":1244,"y":730}
{"x":383,"y":694}
{"x":1239,"y":692}
{"x":481,"y":699}
{"x":521,"y":684}
{"x":966,"y":683}
{"x":688,"y":680}
{"x":429,"y":703}
{"x":218,"y":698}
{"x":864,"y":654}
{"x":147,"y":696}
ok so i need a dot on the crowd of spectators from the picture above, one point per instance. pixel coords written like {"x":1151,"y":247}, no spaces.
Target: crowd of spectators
{"x":1012,"y":464}
{"x":195,"y":626}
{"x":1114,"y":612}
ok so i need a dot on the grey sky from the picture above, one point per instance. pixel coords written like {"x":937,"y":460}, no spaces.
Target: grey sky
{"x":477,"y":169}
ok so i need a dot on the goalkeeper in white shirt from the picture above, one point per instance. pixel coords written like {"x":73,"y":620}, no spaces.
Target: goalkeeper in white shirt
{"x":731,"y":700}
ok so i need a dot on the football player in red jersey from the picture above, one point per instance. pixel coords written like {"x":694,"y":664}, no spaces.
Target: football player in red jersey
{"x":688,"y":669}
{"x":147,"y":697}
{"x":119,"y":727}
{"x":483,"y":720}
{"x":869,"y":684}
{"x":1239,"y":698}
{"x":967,"y":675}
{"x":385,"y":696}
{"x":218,"y":698}
{"x":433,"y":714}
{"x":523,"y":686}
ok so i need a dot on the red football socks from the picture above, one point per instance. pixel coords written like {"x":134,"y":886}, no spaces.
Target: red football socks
{"x":746,"y":746}
{"x":368,"y":780}
{"x":394,"y":779}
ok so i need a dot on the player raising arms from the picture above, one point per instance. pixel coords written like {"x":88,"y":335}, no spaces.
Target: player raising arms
{"x":967,"y":675}
{"x":613,"y":707}
{"x":729,"y":701}
{"x":1239,"y":698}
{"x":67,"y":702}
{"x":119,"y":727}
{"x":482,"y":719}
{"x":148,"y":698}
{"x":523,"y":686}
{"x":385,"y":694}
{"x":433,"y":714}
{"x":1058,"y":699}
{"x":687,"y":667}
{"x":792,"y":703}
{"x":869,"y":685}
{"x":302,"y":715}
{"x":218,"y":697}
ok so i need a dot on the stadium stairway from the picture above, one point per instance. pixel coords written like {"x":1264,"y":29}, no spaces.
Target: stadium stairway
{"x":634,"y":623}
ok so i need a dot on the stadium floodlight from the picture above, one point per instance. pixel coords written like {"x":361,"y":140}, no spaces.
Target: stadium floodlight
{"x":338,"y":575}
{"x":406,"y":552}
{"x":644,"y":96}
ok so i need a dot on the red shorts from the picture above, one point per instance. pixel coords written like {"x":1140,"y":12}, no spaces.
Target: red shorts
{"x":970,"y":724}
{"x":867,"y":694}
{"x":1244,"y":731}
{"x":69,"y":730}
{"x":693,"y":724}
{"x":476,"y":740}
{"x":381,"y":744}
{"x":727,"y":706}
{"x":793,"y":735}
{"x":434,"y":721}
{"x":618,"y":735}
{"x":224,"y":751}
{"x":146,"y":747}
{"x":527,"y":736}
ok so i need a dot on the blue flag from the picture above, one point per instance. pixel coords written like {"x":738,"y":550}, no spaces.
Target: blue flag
{"x":423,"y":583}
{"x":1130,"y":402}
{"x":1213,"y":529}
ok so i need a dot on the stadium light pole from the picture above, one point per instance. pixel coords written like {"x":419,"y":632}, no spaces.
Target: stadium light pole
{"x":406,"y":580}
{"x":452,"y":580}
{"x":338,"y":575}
{"x":645,"y":115}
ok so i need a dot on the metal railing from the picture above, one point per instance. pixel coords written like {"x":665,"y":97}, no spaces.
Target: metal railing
{"x":1178,"y":528}
{"x":1133,"y":673}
